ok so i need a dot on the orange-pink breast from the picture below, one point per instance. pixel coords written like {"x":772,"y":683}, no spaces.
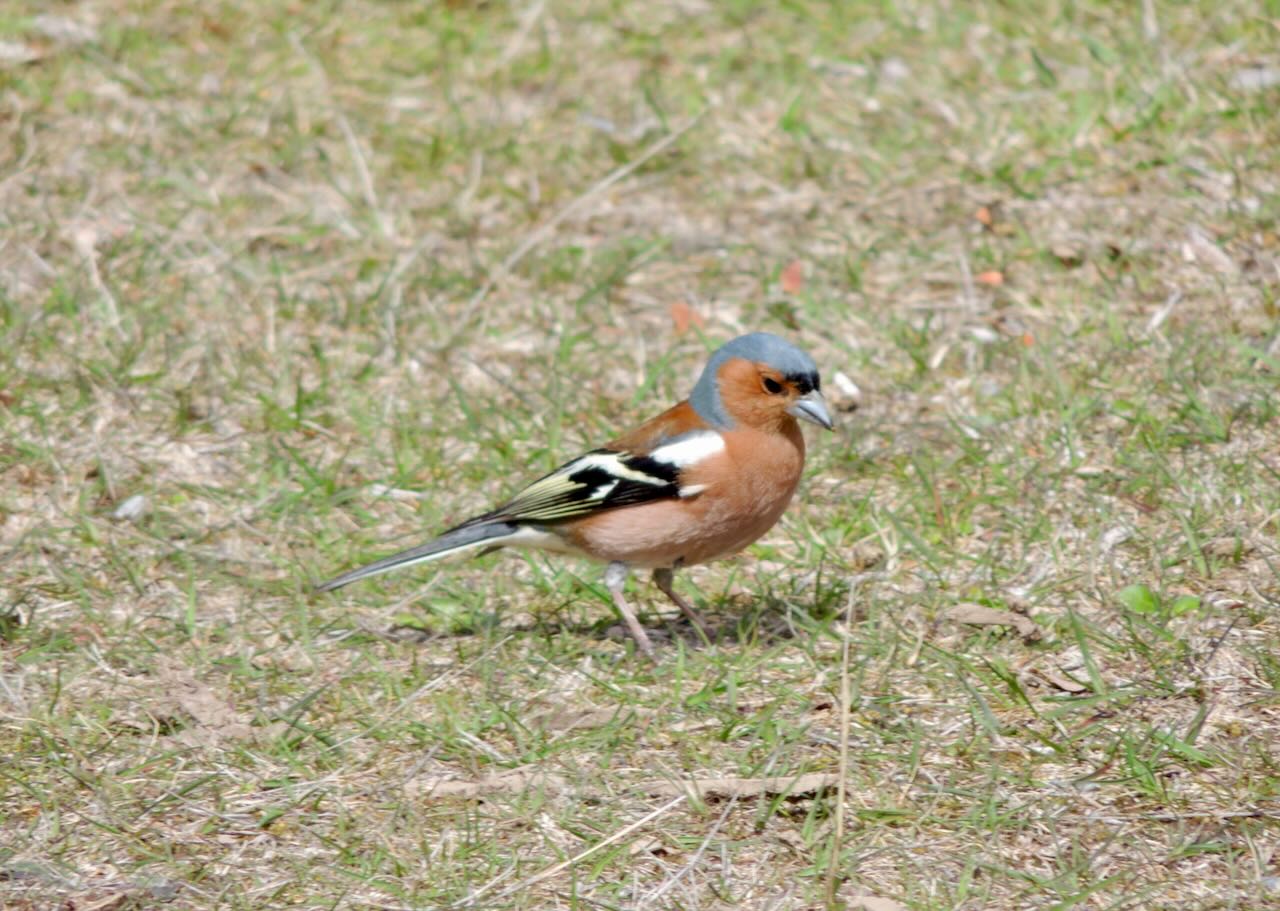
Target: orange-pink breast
{"x":746,"y":489}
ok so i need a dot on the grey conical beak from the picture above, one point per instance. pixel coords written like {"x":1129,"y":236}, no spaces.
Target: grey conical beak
{"x":812,"y":407}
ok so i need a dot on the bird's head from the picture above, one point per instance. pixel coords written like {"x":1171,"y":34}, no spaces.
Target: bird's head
{"x":762,"y":381}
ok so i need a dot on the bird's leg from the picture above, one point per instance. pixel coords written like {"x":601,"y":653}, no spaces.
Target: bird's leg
{"x":663,"y":578}
{"x":615,"y":578}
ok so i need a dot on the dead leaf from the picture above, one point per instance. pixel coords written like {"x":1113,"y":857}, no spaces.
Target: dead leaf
{"x":992,"y":278}
{"x":1229,"y":547}
{"x":792,"y":277}
{"x":514,"y":781}
{"x":647,"y":845}
{"x":1068,"y":257}
{"x":874,"y":903}
{"x":213,"y":717}
{"x":1202,"y":247}
{"x":983,"y":215}
{"x":798,"y":786}
{"x":1059,"y":681}
{"x":103,"y":903}
{"x":683,"y":316}
{"x":978,"y":615}
{"x":565,"y":719}
{"x":865,"y":555}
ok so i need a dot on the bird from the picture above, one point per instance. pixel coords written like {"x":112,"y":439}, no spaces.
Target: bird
{"x":698,"y":482}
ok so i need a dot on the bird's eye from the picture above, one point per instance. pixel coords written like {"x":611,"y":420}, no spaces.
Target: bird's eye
{"x":772,"y":386}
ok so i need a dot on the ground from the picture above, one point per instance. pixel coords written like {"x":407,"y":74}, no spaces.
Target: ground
{"x":285,"y":286}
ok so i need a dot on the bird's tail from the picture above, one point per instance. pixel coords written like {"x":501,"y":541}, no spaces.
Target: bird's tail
{"x":455,"y":541}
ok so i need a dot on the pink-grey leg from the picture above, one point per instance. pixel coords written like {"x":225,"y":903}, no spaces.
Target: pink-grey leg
{"x":615,"y":579}
{"x":664,"y":579}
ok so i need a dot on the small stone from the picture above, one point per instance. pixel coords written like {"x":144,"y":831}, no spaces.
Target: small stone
{"x":1255,"y":78}
{"x":13,"y":53}
{"x":131,"y":510}
{"x":164,"y":890}
{"x":894,"y":69}
{"x":846,"y":396}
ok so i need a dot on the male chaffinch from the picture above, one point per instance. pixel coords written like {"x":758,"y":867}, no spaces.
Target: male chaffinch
{"x":698,"y":482}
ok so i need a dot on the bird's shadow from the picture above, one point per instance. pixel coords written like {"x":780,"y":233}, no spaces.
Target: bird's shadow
{"x":730,"y":619}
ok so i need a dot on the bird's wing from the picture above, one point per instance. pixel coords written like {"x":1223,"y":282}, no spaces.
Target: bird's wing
{"x":607,"y":479}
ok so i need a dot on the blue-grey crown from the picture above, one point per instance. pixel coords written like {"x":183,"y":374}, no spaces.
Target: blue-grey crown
{"x":762,"y":348}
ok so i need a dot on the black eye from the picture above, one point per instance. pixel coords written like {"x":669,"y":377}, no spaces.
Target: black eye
{"x":772,"y":386}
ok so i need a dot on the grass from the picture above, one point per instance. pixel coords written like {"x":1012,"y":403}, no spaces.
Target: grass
{"x":313,"y":279}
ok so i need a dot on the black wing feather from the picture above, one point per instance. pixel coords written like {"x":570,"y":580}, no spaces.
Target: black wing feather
{"x":598,"y":480}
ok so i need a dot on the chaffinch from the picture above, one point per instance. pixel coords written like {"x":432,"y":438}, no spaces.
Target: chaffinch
{"x":698,"y":482}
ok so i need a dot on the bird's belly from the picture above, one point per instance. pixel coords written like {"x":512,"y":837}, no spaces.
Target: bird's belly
{"x":678,"y":532}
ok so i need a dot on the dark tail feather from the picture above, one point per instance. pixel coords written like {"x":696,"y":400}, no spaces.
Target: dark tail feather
{"x":488,"y":535}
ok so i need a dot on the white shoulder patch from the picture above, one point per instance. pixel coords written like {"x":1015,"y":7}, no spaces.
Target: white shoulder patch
{"x":689,"y":448}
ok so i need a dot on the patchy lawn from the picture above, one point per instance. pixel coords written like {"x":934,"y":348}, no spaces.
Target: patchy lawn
{"x":284,"y":286}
